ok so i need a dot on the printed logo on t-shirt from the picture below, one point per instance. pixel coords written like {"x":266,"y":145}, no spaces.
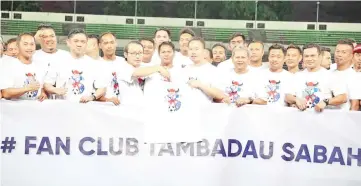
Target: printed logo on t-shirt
{"x":172,"y":98}
{"x":141,"y":81}
{"x":115,"y":84}
{"x":183,"y":65}
{"x":30,"y":78}
{"x":165,"y":79}
{"x":310,"y":94}
{"x":192,"y":78}
{"x":273,"y":91}
{"x":76,"y":80}
{"x":233,"y":90}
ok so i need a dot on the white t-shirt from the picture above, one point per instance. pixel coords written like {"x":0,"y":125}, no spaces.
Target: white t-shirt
{"x":44,"y":59}
{"x":171,"y":111}
{"x":248,"y":85}
{"x":333,"y":66}
{"x":80,"y":76}
{"x":317,"y":86}
{"x":206,"y":74}
{"x":111,"y":68}
{"x":276,"y":85}
{"x":130,"y":88}
{"x":355,"y":86}
{"x":348,"y":77}
{"x":18,"y":75}
{"x":179,"y":59}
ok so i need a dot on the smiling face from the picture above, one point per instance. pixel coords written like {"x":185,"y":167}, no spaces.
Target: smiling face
{"x":77,"y":44}
{"x":196,"y":51}
{"x":311,"y":58}
{"x":240,"y":59}
{"x":27,"y":46}
{"x":276,"y":59}
{"x":48,"y":40}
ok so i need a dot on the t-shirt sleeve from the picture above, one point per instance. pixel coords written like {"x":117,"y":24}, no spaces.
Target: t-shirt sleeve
{"x":354,"y":87}
{"x":7,"y":77}
{"x":125,"y":72}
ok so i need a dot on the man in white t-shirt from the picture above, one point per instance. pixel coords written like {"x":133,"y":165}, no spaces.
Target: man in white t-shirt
{"x":202,"y":76}
{"x":334,"y":65}
{"x":235,"y":40}
{"x":344,"y":72}
{"x":182,"y":58}
{"x":148,"y":45}
{"x":131,"y":76}
{"x":48,"y":52}
{"x":77,"y":78}
{"x":314,"y":87}
{"x":92,"y":49}
{"x":277,"y":81}
{"x":242,"y":85}
{"x":293,"y":58}
{"x":23,"y":79}
{"x":111,"y":63}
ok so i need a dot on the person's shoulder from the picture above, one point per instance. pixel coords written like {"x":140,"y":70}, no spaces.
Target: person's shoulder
{"x":225,"y":63}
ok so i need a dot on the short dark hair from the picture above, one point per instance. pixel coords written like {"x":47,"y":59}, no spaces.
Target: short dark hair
{"x":210,"y":52}
{"x":12,"y":40}
{"x":93,"y":36}
{"x":166,"y":43}
{"x":45,"y":26}
{"x":198,"y":39}
{"x":162,"y":29}
{"x":219,"y":45}
{"x":352,"y":40}
{"x":256,"y":41}
{"x":237,"y":34}
{"x":325,"y":49}
{"x":147,"y":39}
{"x":126,"y":48}
{"x":187,"y":31}
{"x":106,"y":33}
{"x":312,"y":45}
{"x":292,"y":46}
{"x":18,"y":39}
{"x":76,"y":31}
{"x":348,"y":42}
{"x":277,"y":47}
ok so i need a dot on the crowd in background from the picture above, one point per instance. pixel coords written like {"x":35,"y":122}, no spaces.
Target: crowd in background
{"x":153,"y":73}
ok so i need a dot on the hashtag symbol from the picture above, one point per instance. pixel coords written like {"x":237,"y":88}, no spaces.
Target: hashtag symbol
{"x":8,"y":145}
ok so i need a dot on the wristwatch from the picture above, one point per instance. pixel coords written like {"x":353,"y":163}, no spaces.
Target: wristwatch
{"x":326,"y":101}
{"x":250,"y":100}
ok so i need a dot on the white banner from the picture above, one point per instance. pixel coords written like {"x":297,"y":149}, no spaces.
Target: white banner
{"x":57,"y":143}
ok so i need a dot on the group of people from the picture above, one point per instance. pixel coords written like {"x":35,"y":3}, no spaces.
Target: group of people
{"x":153,"y":73}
